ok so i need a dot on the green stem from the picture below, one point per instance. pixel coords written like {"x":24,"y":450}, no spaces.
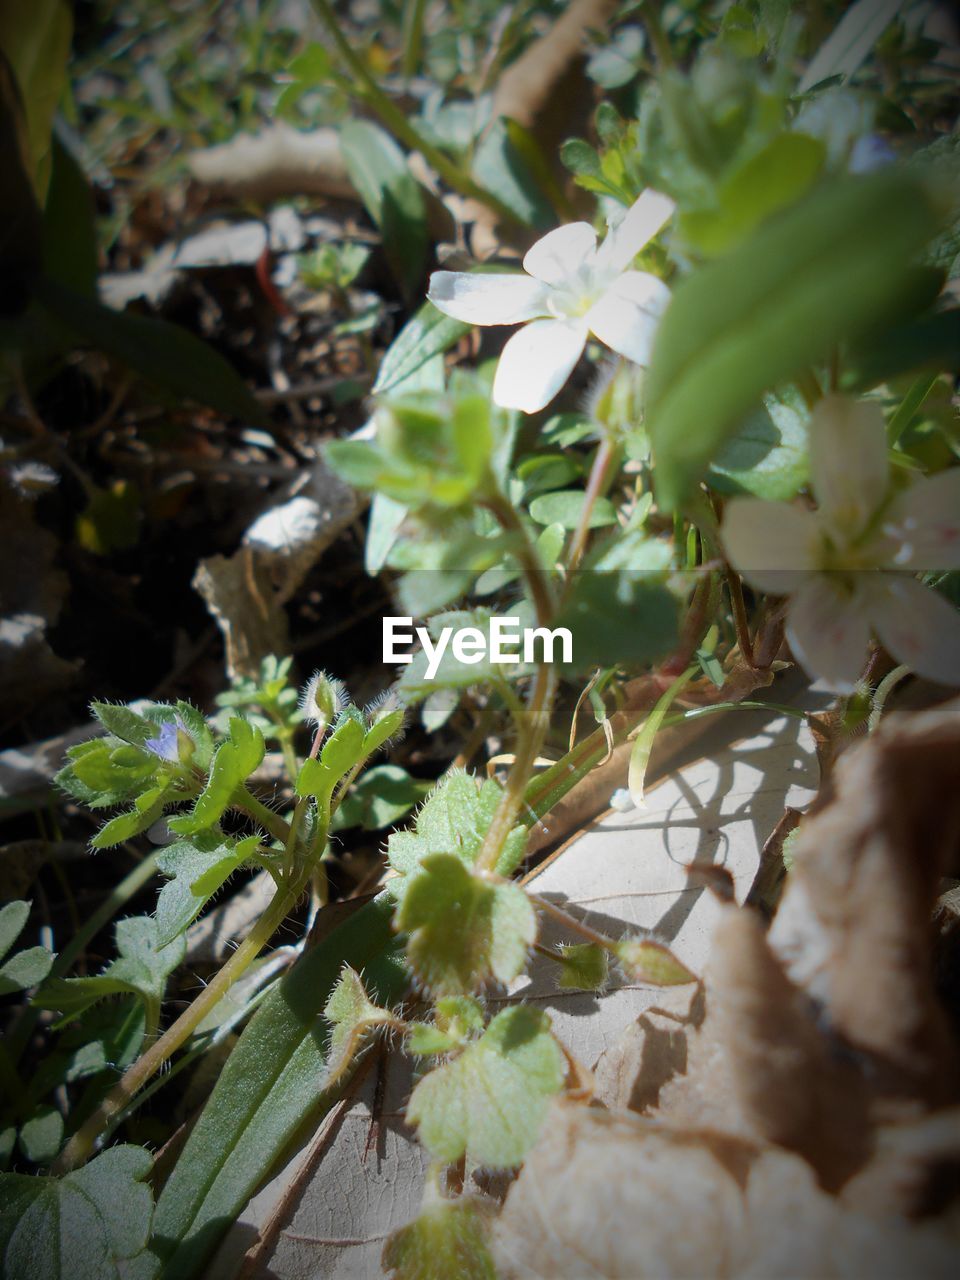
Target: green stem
{"x":256,"y":809}
{"x":413,"y":12}
{"x":82,"y":1143}
{"x":533,"y":726}
{"x":400,"y":126}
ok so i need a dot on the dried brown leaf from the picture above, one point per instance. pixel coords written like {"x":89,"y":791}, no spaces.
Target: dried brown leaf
{"x":853,"y":927}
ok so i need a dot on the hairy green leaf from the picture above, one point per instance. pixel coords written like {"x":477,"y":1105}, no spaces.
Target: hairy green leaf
{"x":454,"y":819}
{"x":448,"y":1239}
{"x":352,"y":1016}
{"x":464,"y":931}
{"x":197,"y":867}
{"x":584,"y":966}
{"x":88,"y":1225}
{"x":489,"y":1103}
{"x":141,"y":968}
{"x":645,"y":960}
{"x":233,"y":763}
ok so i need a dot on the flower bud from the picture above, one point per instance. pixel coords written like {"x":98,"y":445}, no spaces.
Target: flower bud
{"x":322,"y":700}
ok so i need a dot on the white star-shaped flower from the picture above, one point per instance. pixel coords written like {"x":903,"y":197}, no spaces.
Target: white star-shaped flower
{"x":572,"y":288}
{"x":843,"y":564}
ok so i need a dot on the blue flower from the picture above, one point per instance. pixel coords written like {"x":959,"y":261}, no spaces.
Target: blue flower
{"x":166,"y":744}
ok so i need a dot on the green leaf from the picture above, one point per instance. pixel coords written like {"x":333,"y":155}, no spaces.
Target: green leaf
{"x":645,"y":960}
{"x":198,"y":868}
{"x":88,"y":1225}
{"x":383,"y":529}
{"x":41,"y":1136}
{"x":834,"y":267}
{"x":25,"y":969}
{"x":454,"y":819}
{"x":272,"y":1084}
{"x":195,"y":723}
{"x":619,"y":616}
{"x":500,"y":165}
{"x":147,"y":808}
{"x":426,"y":1040}
{"x":142,"y":967}
{"x":35,"y":38}
{"x":490,"y":1102}
{"x":930,"y":342}
{"x":768,"y":454}
{"x":110,"y":521}
{"x":380,"y":798}
{"x":584,"y":966}
{"x":546,"y":471}
{"x":426,"y":334}
{"x":464,"y":931}
{"x":13,"y":918}
{"x":125,"y":723}
{"x":566,"y":507}
{"x":352,"y":1016}
{"x":232,"y":765}
{"x":378,"y":169}
{"x":773,"y":178}
{"x":344,"y":748}
{"x":69,"y":227}
{"x":161,"y":352}
{"x":384,"y":727}
{"x":448,"y":1239}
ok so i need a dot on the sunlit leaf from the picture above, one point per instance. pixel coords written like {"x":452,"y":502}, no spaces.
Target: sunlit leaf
{"x":489,"y":1103}
{"x":833,"y":267}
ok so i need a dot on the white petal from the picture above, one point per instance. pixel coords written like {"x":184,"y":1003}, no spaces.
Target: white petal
{"x":536,"y":362}
{"x":925,"y":521}
{"x":558,"y":254}
{"x":829,"y":633}
{"x":487,"y":298}
{"x":640,"y":223}
{"x":848,"y":462}
{"x":627,"y":315}
{"x":918,"y":627}
{"x":770,"y":543}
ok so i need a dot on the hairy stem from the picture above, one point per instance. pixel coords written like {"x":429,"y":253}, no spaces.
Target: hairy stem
{"x":82,"y":1143}
{"x":245,"y":800}
{"x":533,"y":726}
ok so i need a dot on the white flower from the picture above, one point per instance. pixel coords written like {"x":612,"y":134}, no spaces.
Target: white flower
{"x":571,"y":288}
{"x":839,"y":564}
